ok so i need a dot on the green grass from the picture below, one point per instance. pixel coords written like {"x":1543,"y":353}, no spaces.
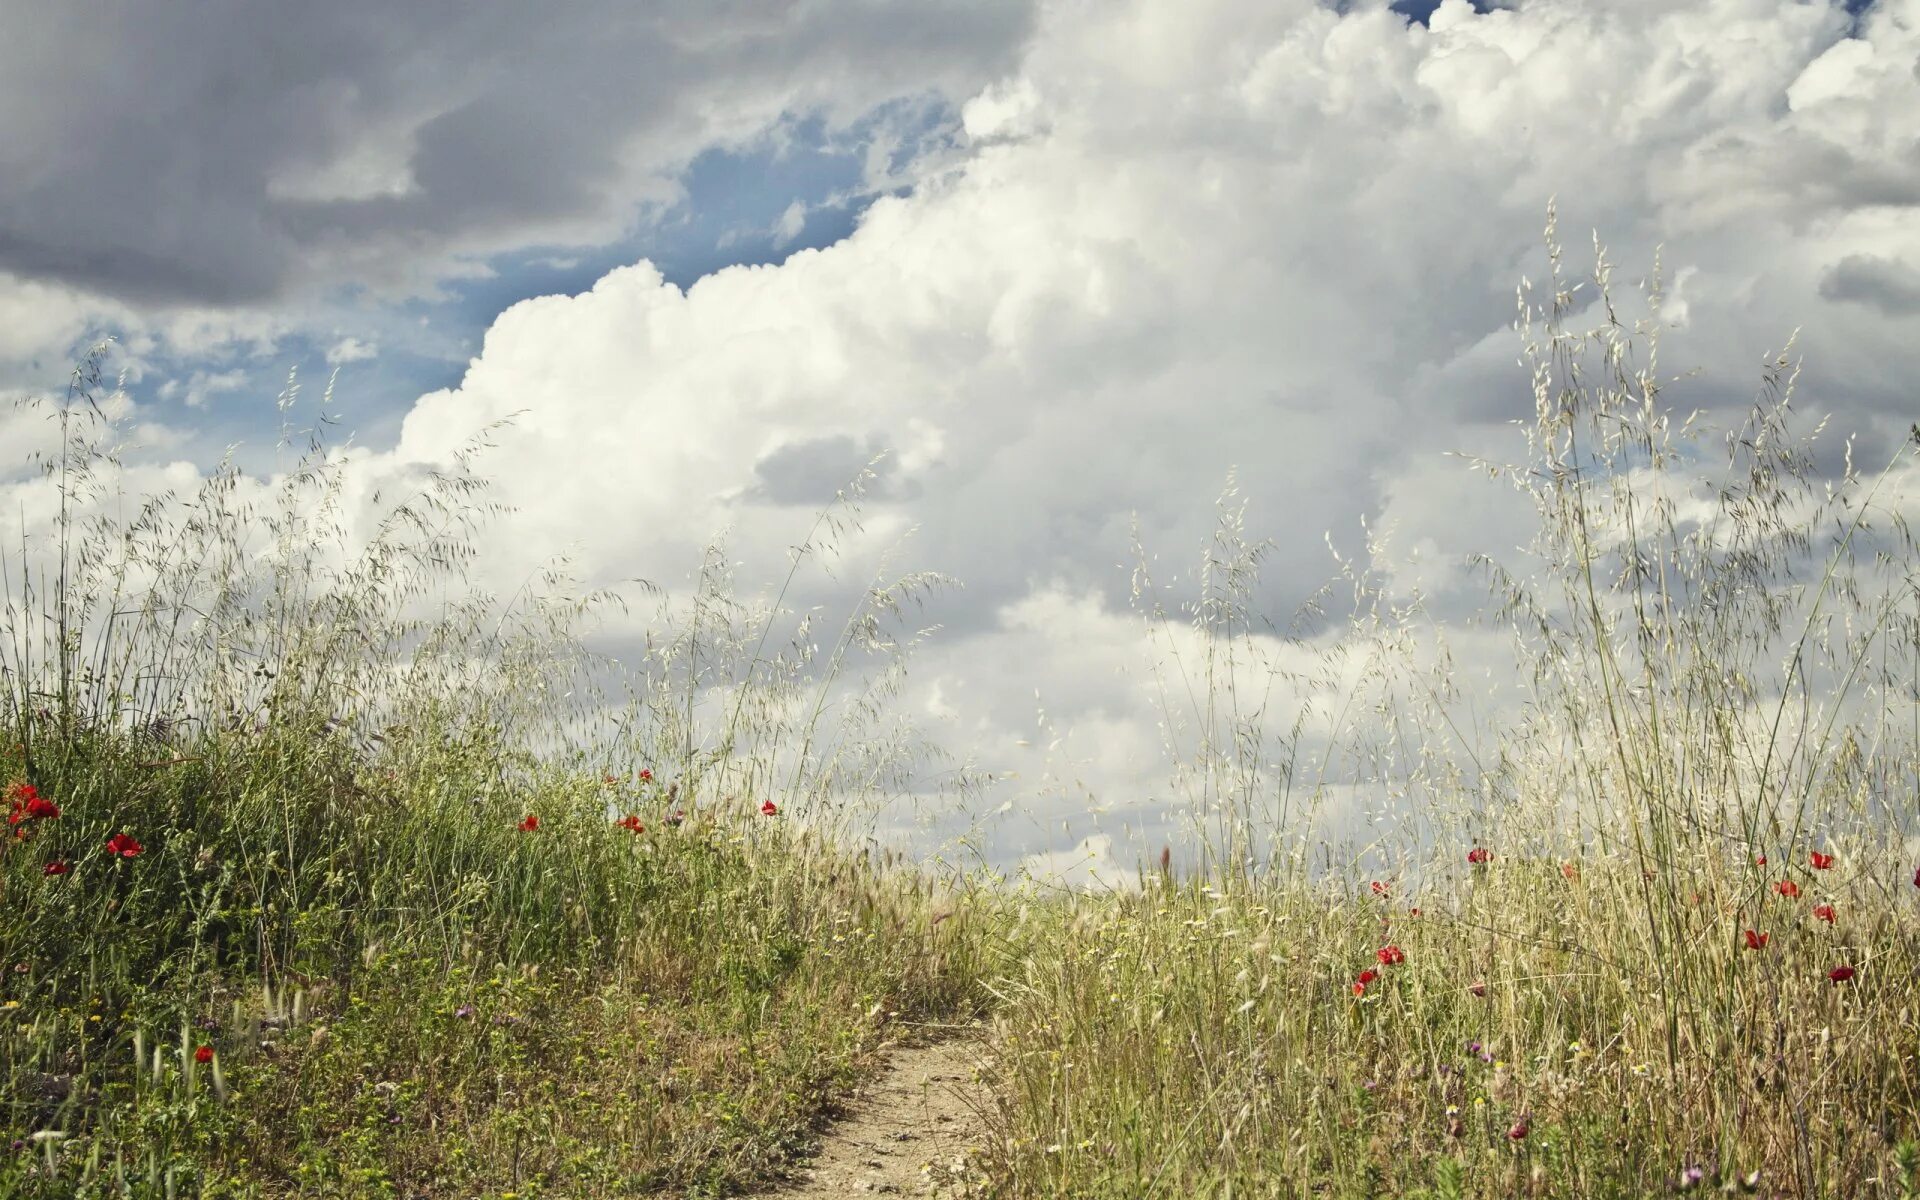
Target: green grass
{"x":389,"y":885}
{"x":451,"y":1005}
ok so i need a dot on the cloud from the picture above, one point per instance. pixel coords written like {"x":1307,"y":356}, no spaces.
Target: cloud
{"x":792,"y":220}
{"x":1089,"y":865}
{"x":1892,"y":287}
{"x":201,"y":386}
{"x":220,"y":154}
{"x":350,"y":350}
{"x":1180,"y":238}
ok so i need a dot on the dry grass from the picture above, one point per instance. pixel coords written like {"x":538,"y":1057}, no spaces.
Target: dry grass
{"x":1717,"y":676}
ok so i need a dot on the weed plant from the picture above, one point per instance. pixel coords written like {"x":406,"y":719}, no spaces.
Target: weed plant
{"x":316,"y":888}
{"x":1656,"y":931}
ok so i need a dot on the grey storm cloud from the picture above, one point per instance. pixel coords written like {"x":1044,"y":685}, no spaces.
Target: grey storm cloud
{"x":232,"y":153}
{"x":1892,"y":287}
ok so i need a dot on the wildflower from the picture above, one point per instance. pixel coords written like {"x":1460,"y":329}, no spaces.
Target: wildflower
{"x":1479,"y":855}
{"x":676,"y":816}
{"x":630,"y":823}
{"x":26,"y":802}
{"x":463,"y":1013}
{"x":1570,"y":871}
{"x":1478,"y":987}
{"x":1916,"y":877}
{"x":609,"y":780}
{"x":1759,"y":860}
{"x":768,"y":808}
{"x":1519,"y":1130}
{"x":1756,"y":941}
{"x":1414,"y":911}
{"x":1380,"y":889}
{"x":1367,"y":976}
{"x":1691,"y":1176}
{"x":203,"y":1055}
{"x":1390,"y":956}
{"x":1359,"y":989}
{"x":1841,"y":973}
{"x":530,"y":823}
{"x":1820,"y":861}
{"x":1787,"y":888}
{"x":646,"y":775}
{"x":123,"y":845}
{"x":57,"y":867}
{"x":1824,"y":912}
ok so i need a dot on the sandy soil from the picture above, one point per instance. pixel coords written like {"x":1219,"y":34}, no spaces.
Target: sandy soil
{"x":914,"y":1130}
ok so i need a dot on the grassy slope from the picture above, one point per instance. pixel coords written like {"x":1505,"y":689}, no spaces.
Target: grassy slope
{"x":1525,"y":1041}
{"x":454,"y":1005}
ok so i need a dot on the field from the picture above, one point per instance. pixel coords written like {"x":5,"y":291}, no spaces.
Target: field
{"x":329,"y":876}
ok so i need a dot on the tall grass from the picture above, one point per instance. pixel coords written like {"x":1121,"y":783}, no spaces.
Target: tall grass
{"x":1593,"y":946}
{"x":335,"y":875}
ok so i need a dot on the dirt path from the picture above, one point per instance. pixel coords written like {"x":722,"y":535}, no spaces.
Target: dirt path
{"x":915,"y":1130}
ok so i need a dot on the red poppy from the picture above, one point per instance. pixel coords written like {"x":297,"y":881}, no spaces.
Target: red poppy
{"x":1756,"y":941}
{"x":1368,"y":976}
{"x":1379,"y":889}
{"x":1569,"y":870}
{"x":1390,"y":956}
{"x":646,"y":775}
{"x":1359,"y":989}
{"x":1841,"y":974}
{"x":1787,"y":888}
{"x":39,"y":806}
{"x":123,"y":845}
{"x":1413,"y":912}
{"x":1759,"y":860}
{"x":1479,"y":855}
{"x":530,"y":824}
{"x":1824,"y":912}
{"x":768,"y":808}
{"x":631,"y":824}
{"x":1518,"y":1132}
{"x":1820,"y":861}
{"x":56,"y":867}
{"x":203,"y":1055}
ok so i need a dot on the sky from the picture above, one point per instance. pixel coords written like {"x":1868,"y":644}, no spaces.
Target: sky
{"x":1074,"y":267}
